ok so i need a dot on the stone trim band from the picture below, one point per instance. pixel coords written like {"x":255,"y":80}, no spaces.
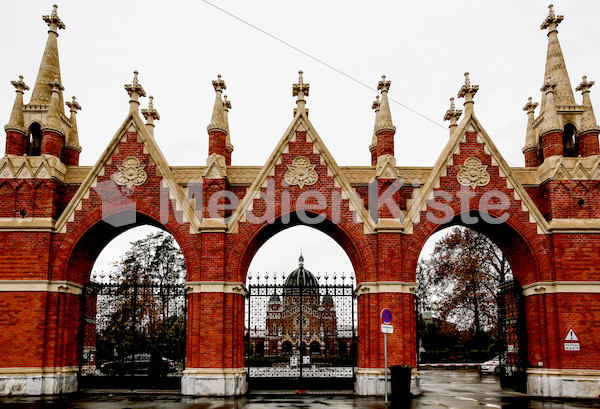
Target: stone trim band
{"x":385,"y":287}
{"x":38,"y":371}
{"x":41,"y":286}
{"x":216,"y":287}
{"x":590,"y":287}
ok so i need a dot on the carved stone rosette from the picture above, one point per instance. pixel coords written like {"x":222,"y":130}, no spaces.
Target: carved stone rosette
{"x":130,"y":174}
{"x":473,"y":173}
{"x":301,"y":173}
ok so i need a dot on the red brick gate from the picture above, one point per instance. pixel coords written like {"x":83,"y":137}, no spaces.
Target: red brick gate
{"x":56,"y":216}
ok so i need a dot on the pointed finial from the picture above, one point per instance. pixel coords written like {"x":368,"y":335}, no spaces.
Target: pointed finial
{"x":135,"y":90}
{"x":585,"y":85}
{"x":218,"y":120}
{"x":228,"y":144}
{"x":384,"y":86}
{"x":20,"y":85}
{"x":16,"y":121}
{"x":53,"y":120}
{"x":588,"y":120}
{"x":53,"y":21}
{"x":376,"y":104}
{"x":219,"y":84}
{"x":383,"y":116}
{"x":452,"y":115}
{"x":226,"y":103}
{"x":530,"y":106}
{"x":552,"y":21}
{"x":468,"y":91}
{"x":74,"y":105}
{"x":301,"y":260}
{"x":56,"y":85}
{"x":150,"y":115}
{"x":300,"y":90}
{"x":548,"y":86}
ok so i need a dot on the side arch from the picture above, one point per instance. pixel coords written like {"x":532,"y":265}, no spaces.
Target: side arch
{"x":86,"y":238}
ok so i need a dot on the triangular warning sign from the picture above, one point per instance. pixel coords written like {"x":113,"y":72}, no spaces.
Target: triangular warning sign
{"x":571,"y":335}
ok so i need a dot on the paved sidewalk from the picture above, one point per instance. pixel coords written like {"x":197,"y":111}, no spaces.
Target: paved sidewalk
{"x":442,"y":389}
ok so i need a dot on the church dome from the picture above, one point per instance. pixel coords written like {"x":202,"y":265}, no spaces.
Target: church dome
{"x":301,"y":277}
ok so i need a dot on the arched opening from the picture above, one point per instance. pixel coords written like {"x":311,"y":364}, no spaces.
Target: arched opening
{"x":131,"y":325}
{"x":569,"y":141}
{"x":34,"y":145}
{"x":470,"y":307}
{"x":300,"y":296}
{"x":286,"y":348}
{"x":315,"y":348}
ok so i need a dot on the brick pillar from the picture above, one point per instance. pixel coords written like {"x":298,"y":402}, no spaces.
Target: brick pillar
{"x":385,"y":143}
{"x":373,"y":151}
{"x":52,"y":143}
{"x":552,"y":144}
{"x":215,"y":333}
{"x":401,"y":345}
{"x":588,"y":143}
{"x":531,"y":157}
{"x":216,"y":143}
{"x":71,"y":156}
{"x":16,"y":143}
{"x":228,"y":151}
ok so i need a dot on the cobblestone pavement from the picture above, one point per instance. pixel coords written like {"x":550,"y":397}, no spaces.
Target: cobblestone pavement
{"x":442,"y":389}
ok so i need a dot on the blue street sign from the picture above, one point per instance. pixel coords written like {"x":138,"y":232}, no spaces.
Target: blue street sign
{"x":386,"y":315}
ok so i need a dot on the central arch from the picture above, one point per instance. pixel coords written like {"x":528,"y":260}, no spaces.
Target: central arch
{"x":523,"y":249}
{"x":355,"y":246}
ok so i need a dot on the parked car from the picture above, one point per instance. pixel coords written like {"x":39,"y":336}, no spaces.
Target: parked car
{"x":139,"y":364}
{"x":491,"y":366}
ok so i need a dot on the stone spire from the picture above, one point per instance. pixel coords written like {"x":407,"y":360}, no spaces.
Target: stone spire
{"x":383,"y":116}
{"x":452,"y":115}
{"x":53,"y":118}
{"x":151,"y":115}
{"x":530,"y":139}
{"x":49,"y":67}
{"x":228,"y":144}
{"x":550,"y":122}
{"x":301,"y":261}
{"x":73,"y":139}
{"x":468,"y":91}
{"x":16,"y":121}
{"x":300,"y":90}
{"x":556,"y":70}
{"x":226,"y":108}
{"x":588,"y":121}
{"x":135,"y":91}
{"x":373,"y":147}
{"x":218,"y":121}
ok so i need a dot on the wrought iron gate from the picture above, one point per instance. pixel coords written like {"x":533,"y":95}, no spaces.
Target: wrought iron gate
{"x":132,"y":336}
{"x":512,"y":336}
{"x":299,"y":332}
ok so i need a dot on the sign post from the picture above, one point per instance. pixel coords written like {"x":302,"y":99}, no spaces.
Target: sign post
{"x":386,"y":328}
{"x":571,"y":341}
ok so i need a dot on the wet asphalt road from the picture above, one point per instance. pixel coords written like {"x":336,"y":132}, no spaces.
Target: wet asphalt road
{"x":441,"y":389}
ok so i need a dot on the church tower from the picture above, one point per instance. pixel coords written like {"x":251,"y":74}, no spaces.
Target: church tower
{"x":41,"y":127}
{"x":563,"y":127}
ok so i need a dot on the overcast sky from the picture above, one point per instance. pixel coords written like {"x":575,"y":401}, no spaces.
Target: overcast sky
{"x":179,"y":47}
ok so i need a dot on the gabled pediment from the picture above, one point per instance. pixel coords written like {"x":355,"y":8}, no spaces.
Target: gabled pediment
{"x":302,"y":124}
{"x":446,"y":160}
{"x":132,"y":123}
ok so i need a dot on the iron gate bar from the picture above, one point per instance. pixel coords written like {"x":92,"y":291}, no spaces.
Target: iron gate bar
{"x":512,"y":336}
{"x":152,"y":317}
{"x":277,"y":311}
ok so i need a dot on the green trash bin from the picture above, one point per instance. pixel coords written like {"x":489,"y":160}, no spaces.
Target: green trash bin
{"x":400,"y":383}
